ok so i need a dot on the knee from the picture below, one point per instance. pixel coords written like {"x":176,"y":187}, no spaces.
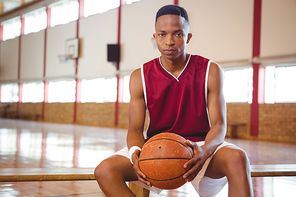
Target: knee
{"x":238,"y":160}
{"x":102,"y":171}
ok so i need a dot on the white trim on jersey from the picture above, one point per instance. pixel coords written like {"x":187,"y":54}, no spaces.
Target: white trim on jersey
{"x":177,"y":78}
{"x":145,"y":98}
{"x":143,"y":82}
{"x":206,"y":81}
{"x":206,"y":88}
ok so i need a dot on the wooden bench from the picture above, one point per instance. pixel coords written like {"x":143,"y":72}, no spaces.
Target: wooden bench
{"x":80,"y":174}
{"x":233,"y":128}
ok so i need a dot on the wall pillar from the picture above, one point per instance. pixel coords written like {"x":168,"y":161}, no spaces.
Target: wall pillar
{"x":78,"y":81}
{"x":45,"y":99}
{"x":119,"y":85}
{"x":20,"y":85}
{"x":258,"y":71}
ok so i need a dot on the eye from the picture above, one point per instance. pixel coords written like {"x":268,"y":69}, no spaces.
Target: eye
{"x":161,"y":34}
{"x":179,"y":34}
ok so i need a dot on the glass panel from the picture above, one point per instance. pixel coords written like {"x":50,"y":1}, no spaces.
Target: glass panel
{"x":11,"y":28}
{"x":126,"y":93}
{"x":99,"y":90}
{"x":238,"y":85}
{"x":92,"y":7}
{"x":33,"y":92}
{"x":285,"y":82}
{"x":269,"y":95}
{"x":61,"y":91}
{"x":35,"y":20}
{"x":64,"y":12}
{"x":131,"y":1}
{"x":279,"y":84}
{"x":9,"y":93}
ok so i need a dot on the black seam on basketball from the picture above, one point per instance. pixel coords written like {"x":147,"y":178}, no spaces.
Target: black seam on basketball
{"x":189,"y":148}
{"x":166,"y":179}
{"x":173,"y":158}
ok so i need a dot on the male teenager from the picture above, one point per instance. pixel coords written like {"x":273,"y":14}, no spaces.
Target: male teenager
{"x":182,"y":94}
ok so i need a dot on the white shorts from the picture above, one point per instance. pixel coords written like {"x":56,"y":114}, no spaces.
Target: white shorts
{"x":204,"y":186}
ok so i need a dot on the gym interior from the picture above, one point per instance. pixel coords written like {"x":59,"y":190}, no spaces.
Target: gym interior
{"x":64,"y":83}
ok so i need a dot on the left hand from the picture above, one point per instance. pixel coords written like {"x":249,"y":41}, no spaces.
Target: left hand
{"x":199,"y":157}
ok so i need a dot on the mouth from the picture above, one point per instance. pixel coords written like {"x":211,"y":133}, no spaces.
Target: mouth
{"x":169,"y":51}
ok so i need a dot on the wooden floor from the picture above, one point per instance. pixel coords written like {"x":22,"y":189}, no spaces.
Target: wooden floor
{"x":29,"y":144}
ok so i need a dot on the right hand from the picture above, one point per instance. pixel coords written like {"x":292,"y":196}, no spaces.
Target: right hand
{"x":141,"y":176}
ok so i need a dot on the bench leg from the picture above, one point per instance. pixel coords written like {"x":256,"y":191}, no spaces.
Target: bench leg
{"x":233,"y":131}
{"x":138,"y":190}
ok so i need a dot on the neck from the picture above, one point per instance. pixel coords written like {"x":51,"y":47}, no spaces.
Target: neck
{"x":175,"y":66}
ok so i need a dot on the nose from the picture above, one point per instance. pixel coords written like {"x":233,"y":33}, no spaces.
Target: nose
{"x":170,"y":40}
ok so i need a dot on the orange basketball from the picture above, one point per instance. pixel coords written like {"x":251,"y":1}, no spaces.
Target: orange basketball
{"x":162,"y":159}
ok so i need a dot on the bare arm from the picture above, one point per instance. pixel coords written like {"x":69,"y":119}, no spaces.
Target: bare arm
{"x":217,"y":115}
{"x":216,"y":108}
{"x":137,"y":111}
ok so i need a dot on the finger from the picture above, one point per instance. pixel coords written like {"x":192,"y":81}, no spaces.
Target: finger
{"x":138,"y":170}
{"x":137,"y":152}
{"x":193,"y":171}
{"x":140,"y":173}
{"x":192,"y":174}
{"x":144,"y":181}
{"x":190,"y":143}
{"x":191,"y":162}
{"x":142,"y":177}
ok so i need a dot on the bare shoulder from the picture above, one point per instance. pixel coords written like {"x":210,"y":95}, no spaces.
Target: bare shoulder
{"x":136,"y":74}
{"x":215,"y":77}
{"x":215,"y":69}
{"x":136,"y":86}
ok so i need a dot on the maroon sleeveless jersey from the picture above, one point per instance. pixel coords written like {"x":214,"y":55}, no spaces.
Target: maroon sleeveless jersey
{"x":177,"y":104}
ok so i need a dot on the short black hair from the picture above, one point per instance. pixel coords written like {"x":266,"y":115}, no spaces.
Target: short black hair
{"x":173,"y":10}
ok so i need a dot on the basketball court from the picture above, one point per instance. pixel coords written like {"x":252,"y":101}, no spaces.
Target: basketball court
{"x":31,"y":144}
{"x":64,"y":86}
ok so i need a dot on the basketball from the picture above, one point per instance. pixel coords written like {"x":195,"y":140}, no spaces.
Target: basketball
{"x":162,"y":159}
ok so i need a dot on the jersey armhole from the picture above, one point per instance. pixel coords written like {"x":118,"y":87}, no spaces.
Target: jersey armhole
{"x":145,"y":98}
{"x":144,"y":85}
{"x":206,"y":81}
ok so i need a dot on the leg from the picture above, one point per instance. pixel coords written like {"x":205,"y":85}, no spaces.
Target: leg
{"x":111,"y":175}
{"x":233,"y":163}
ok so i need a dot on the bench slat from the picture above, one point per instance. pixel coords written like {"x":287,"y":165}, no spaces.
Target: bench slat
{"x":71,"y":174}
{"x":45,"y":174}
{"x":273,"y":170}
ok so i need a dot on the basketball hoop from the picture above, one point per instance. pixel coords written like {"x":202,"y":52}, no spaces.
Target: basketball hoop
{"x":64,"y":58}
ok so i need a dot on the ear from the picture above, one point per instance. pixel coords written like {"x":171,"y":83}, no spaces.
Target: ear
{"x":154,"y":35}
{"x":189,"y":36}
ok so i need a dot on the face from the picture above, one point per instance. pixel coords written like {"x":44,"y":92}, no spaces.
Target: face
{"x":171,"y":36}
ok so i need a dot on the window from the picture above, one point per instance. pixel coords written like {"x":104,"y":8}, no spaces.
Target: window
{"x":279,"y":84}
{"x":126,"y":93}
{"x":64,"y":12}
{"x":99,"y":6}
{"x":131,"y":1}
{"x":9,"y":93}
{"x":33,"y":92}
{"x":35,"y":21}
{"x":99,"y":90}
{"x":10,"y":5}
{"x":11,"y":28}
{"x":61,"y":91}
{"x":238,"y":85}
